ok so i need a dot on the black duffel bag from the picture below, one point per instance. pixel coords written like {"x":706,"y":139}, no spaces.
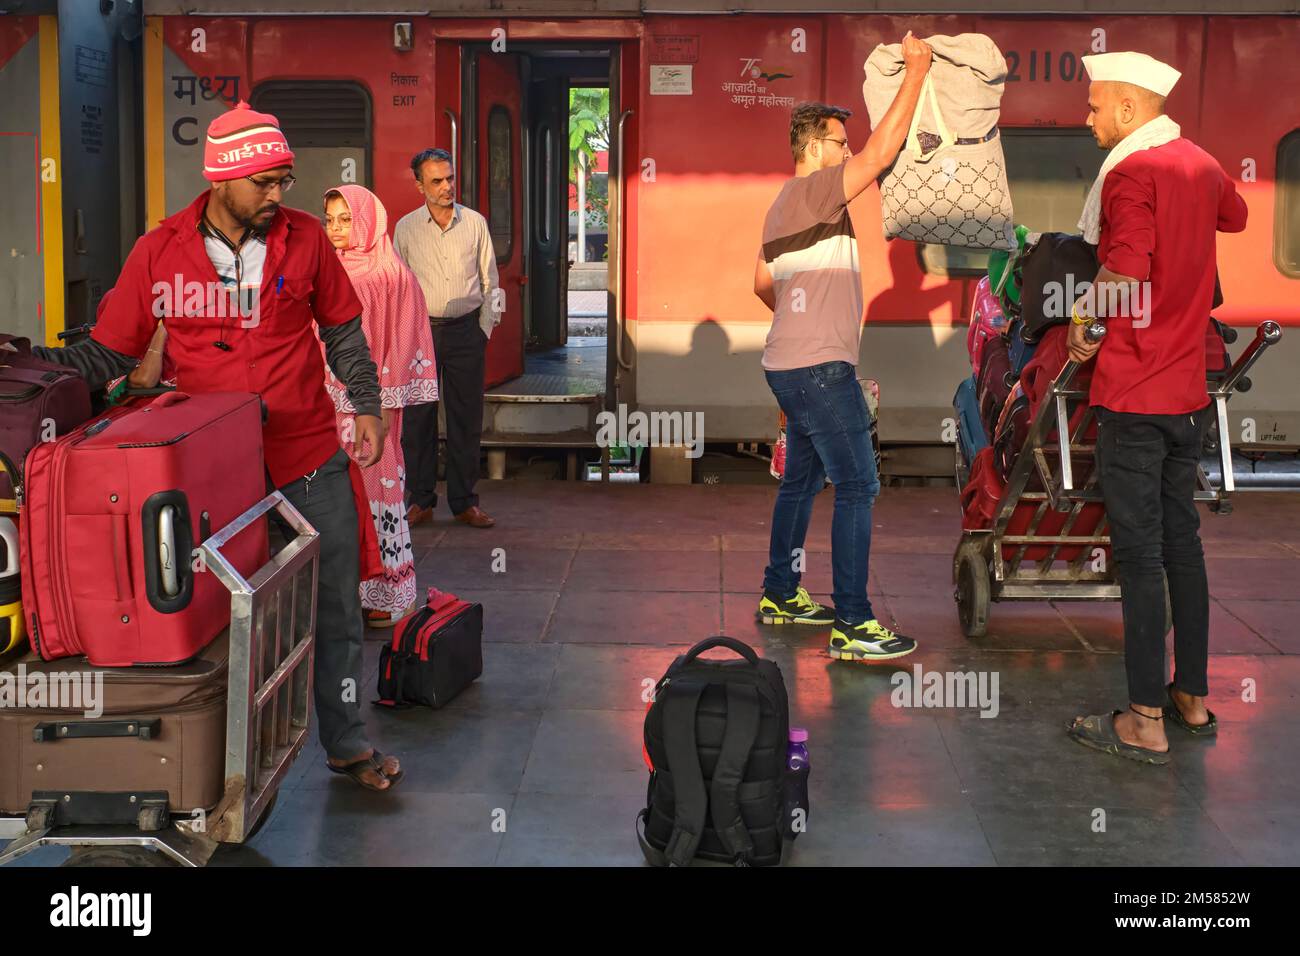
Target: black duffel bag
{"x":1053,"y":273}
{"x":435,"y":654}
{"x":716,"y":737}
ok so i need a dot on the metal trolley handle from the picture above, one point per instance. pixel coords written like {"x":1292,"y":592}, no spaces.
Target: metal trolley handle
{"x":1268,"y":333}
{"x":268,"y":701}
{"x":1093,"y":333}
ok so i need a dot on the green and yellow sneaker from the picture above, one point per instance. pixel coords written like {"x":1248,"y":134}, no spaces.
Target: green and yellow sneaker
{"x":800,"y":609}
{"x":868,"y":641}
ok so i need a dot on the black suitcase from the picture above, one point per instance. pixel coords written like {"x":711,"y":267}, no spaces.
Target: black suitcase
{"x":435,"y":653}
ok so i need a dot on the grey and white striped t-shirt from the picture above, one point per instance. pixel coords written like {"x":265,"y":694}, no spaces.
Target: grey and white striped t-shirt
{"x":812,"y":255}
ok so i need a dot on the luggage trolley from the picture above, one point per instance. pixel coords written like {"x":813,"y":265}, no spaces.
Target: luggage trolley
{"x":1051,"y":511}
{"x":268,"y":708}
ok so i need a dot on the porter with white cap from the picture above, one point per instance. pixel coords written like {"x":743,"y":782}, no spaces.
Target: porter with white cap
{"x":1153,"y":213}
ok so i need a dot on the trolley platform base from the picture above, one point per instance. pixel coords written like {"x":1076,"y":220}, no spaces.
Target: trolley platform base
{"x":175,"y":843}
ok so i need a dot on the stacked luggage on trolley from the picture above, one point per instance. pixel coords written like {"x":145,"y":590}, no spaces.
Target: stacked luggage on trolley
{"x":158,"y":659}
{"x":1033,"y":521}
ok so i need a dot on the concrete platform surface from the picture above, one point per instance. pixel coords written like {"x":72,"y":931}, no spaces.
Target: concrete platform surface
{"x":539,"y":763}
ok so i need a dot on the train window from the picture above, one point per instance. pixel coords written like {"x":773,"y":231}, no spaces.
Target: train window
{"x":500,"y":194}
{"x":317,"y":112}
{"x":1049,"y":171}
{"x":1286,"y":240}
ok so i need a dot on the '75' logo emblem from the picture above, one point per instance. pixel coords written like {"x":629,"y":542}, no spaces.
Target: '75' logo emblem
{"x":751,"y":69}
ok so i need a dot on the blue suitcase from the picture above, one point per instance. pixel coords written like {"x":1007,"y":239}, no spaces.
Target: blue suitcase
{"x":1018,"y":350}
{"x":971,"y":437}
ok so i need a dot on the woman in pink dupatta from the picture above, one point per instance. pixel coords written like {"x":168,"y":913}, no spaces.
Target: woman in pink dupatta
{"x":396,"y":323}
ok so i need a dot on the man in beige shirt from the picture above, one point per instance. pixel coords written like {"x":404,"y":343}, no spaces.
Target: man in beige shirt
{"x":449,"y":249}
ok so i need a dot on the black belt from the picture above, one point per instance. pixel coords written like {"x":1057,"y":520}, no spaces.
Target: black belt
{"x":448,"y":319}
{"x":930,"y":141}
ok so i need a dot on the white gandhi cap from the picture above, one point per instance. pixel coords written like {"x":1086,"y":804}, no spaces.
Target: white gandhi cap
{"x":1136,"y":68}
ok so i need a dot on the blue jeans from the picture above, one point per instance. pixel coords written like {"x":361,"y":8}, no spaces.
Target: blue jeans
{"x":828,"y":435}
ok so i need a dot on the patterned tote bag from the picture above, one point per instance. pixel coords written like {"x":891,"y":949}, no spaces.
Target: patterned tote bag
{"x":946,"y":189}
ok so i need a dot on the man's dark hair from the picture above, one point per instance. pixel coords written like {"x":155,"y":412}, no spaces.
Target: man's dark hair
{"x":808,"y":121}
{"x":428,"y":156}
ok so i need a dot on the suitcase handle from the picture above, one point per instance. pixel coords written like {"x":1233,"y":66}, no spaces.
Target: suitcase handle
{"x":9,"y":534}
{"x":168,"y":545}
{"x":744,"y":650}
{"x":440,"y":599}
{"x":49,"y":731}
{"x":15,"y":475}
{"x":168,"y":399}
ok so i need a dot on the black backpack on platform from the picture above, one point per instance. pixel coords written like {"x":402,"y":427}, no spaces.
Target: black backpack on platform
{"x":716,"y":738}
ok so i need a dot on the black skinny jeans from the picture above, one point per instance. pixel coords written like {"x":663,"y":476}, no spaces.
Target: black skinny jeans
{"x":1147,"y":470}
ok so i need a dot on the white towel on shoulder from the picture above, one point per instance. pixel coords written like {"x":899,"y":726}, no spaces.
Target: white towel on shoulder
{"x":1153,"y":133}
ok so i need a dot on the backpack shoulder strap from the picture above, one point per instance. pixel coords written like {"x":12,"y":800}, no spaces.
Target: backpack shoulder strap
{"x":653,"y":856}
{"x":690,"y":799}
{"x":737,"y":741}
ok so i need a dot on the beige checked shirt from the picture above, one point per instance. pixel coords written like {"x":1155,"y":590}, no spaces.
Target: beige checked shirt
{"x":456,"y":266}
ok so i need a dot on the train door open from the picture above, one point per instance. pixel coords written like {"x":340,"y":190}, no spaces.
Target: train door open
{"x":494,"y":189}
{"x":552,"y":342}
{"x":549,"y":178}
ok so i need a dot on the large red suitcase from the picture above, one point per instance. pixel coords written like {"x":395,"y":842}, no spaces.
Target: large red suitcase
{"x":111,"y":519}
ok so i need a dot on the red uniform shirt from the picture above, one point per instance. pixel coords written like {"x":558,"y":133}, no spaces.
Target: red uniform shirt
{"x":274,"y":351}
{"x":1161,"y":208}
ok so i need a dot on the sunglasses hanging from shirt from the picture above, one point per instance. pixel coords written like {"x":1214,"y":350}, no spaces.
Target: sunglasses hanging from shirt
{"x":210,"y":231}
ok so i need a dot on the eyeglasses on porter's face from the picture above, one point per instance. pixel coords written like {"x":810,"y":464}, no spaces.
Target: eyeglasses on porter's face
{"x":285,"y":183}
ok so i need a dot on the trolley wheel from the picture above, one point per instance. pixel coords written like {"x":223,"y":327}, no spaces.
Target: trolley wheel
{"x":972,"y":592}
{"x":152,"y":818}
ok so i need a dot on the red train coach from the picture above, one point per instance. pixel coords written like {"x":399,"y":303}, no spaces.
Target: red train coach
{"x":700,"y":102}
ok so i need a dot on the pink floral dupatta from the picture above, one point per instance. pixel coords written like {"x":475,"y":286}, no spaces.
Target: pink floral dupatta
{"x":394,"y":316}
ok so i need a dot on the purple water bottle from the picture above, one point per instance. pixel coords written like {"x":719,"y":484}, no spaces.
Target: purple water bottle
{"x":795,"y":791}
{"x":797,"y":751}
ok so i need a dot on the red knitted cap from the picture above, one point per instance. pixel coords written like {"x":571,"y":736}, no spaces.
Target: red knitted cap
{"x":243,"y":142}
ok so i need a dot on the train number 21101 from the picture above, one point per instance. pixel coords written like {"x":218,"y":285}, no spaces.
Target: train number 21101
{"x":1041,"y":64}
